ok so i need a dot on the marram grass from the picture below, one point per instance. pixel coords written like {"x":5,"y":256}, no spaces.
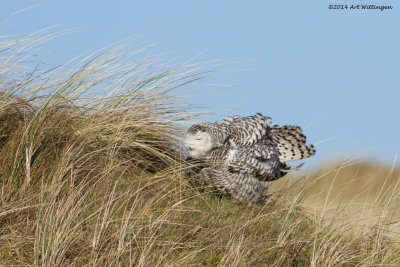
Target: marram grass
{"x":92,"y":175}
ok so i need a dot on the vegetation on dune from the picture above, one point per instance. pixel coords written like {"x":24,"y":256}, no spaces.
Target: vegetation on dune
{"x":91,"y":174}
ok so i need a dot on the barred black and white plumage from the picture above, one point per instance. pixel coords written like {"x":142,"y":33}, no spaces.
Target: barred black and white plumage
{"x":238,"y":154}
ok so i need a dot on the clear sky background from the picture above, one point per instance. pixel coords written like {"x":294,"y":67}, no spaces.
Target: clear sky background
{"x":334,"y":72}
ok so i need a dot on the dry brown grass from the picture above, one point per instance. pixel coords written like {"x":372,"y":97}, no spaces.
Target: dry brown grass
{"x":355,"y":191}
{"x":91,"y":174}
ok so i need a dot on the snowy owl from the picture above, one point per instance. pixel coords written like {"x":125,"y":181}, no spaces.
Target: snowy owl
{"x":235,"y":155}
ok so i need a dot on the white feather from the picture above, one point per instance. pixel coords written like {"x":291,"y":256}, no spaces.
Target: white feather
{"x":231,"y":155}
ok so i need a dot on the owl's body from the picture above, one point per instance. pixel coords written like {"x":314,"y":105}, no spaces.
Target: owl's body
{"x":238,"y":154}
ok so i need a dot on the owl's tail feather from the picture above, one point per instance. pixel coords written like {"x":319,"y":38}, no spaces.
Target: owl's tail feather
{"x":291,"y":143}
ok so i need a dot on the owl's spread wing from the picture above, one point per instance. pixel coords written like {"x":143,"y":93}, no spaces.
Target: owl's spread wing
{"x":260,"y":161}
{"x":248,"y":130}
{"x":291,"y":143}
{"x":228,"y":120}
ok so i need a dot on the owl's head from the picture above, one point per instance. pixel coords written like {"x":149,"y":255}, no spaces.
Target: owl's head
{"x":198,"y":140}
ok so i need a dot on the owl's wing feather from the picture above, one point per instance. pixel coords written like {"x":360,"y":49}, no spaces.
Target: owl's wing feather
{"x":248,"y":130}
{"x":241,"y":186}
{"x":260,"y":161}
{"x":228,"y":120}
{"x":291,"y":143}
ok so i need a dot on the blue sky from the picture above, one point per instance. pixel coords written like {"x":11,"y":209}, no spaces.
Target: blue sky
{"x":334,"y":72}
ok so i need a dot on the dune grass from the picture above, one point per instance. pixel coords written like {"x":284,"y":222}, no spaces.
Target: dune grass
{"x":92,"y":174}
